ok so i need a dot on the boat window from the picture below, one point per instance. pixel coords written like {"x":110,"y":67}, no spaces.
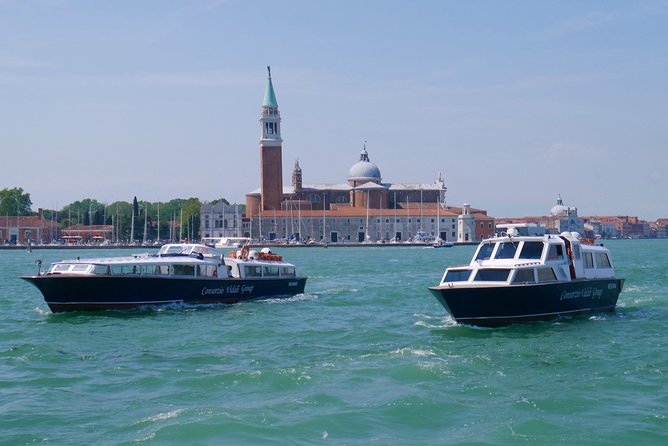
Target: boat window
{"x":157,"y":270}
{"x":207,"y":270}
{"x":546,"y":275}
{"x":288,"y":271}
{"x":524,"y":275}
{"x":531,"y":250}
{"x":253,"y":271}
{"x":576,"y":251}
{"x":555,"y":252}
{"x":602,"y":260}
{"x":485,"y":251}
{"x":173,"y":249}
{"x":457,"y":275}
{"x":60,"y":268}
{"x":184,"y":270}
{"x":506,"y":250}
{"x":271,"y":271}
{"x":80,"y":268}
{"x":102,"y":269}
{"x":492,"y":275}
{"x":125,"y":270}
{"x":162,"y":270}
{"x":588,"y":259}
{"x":148,"y":270}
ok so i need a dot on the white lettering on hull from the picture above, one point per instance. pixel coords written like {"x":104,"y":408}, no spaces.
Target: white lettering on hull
{"x":228,"y":290}
{"x":585,"y":293}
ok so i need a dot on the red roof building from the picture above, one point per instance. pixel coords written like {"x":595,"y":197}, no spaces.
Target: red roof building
{"x":27,"y":228}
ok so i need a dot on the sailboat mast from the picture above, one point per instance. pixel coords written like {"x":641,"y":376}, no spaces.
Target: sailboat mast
{"x":158,"y":220}
{"x":145,"y":220}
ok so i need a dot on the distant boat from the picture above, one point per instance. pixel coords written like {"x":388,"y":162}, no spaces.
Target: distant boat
{"x":225,"y":242}
{"x":440,"y":243}
{"x":515,"y":279}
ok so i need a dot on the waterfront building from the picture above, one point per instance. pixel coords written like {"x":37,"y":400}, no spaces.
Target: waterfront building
{"x":364,"y":208}
{"x":221,"y":220}
{"x":660,"y":227}
{"x":87,"y":234}
{"x":620,"y":226}
{"x":27,"y":228}
{"x":561,"y":218}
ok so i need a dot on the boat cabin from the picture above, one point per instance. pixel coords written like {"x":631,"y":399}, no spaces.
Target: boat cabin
{"x":532,"y":259}
{"x":182,"y":261}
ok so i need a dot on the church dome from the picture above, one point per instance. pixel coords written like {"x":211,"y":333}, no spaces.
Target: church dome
{"x":559,"y":209}
{"x":364,"y":169}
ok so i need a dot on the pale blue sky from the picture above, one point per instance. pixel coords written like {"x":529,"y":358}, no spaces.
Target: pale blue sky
{"x":515,"y":101}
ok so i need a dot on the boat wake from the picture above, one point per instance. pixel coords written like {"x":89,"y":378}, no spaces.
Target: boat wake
{"x":432,"y":322}
{"x":295,"y":298}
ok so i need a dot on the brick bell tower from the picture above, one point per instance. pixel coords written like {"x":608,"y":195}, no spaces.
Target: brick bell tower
{"x":271,"y":158}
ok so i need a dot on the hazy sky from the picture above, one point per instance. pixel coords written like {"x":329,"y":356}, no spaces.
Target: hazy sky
{"x":515,"y":101}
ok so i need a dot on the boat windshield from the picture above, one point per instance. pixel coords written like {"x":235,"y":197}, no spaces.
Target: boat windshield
{"x":506,"y":250}
{"x":174,"y":249}
{"x":485,"y":251}
{"x":531,"y":250}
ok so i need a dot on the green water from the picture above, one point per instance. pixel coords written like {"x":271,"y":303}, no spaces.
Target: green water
{"x":366,"y":356}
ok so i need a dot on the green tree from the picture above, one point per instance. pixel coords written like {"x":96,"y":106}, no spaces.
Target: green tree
{"x":15,"y":202}
{"x":85,"y":212}
{"x":119,"y":214}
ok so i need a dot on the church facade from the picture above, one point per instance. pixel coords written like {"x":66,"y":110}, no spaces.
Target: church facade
{"x":364,"y":208}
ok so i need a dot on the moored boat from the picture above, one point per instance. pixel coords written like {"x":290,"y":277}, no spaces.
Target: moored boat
{"x":226,"y":242}
{"x":528,"y":278}
{"x":178,"y":273}
{"x":440,"y":243}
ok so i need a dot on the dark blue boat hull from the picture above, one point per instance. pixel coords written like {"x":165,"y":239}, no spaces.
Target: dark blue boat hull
{"x":496,"y":306}
{"x":89,"y":293}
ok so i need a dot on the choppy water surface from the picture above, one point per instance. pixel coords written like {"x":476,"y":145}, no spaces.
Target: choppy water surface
{"x":366,"y":356}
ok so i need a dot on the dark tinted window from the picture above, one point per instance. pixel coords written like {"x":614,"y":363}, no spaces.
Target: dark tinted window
{"x":602,"y":260}
{"x":588,"y":260}
{"x":492,"y":275}
{"x":506,"y":250}
{"x":546,"y":275}
{"x":485,"y":252}
{"x":458,"y":275}
{"x":524,"y":275}
{"x":555,"y":253}
{"x":531,"y":250}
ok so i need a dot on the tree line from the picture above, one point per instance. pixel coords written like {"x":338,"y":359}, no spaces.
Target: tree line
{"x":174,"y":219}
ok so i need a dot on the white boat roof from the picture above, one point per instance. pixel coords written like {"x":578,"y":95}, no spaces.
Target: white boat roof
{"x":174,"y":253}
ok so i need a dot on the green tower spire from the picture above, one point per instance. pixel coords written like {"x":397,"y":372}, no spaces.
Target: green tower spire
{"x":269,"y":95}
